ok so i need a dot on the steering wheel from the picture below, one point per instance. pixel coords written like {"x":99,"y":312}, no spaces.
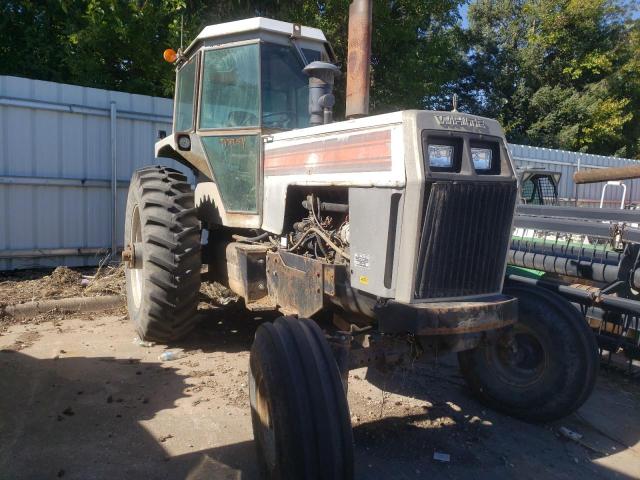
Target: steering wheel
{"x":285,"y":120}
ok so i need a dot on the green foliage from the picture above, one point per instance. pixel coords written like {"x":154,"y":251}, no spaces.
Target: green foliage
{"x":415,"y":47}
{"x":117,"y":44}
{"x":558,"y":73}
{"x":111,"y":44}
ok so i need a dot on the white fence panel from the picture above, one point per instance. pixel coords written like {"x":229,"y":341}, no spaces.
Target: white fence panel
{"x":56,"y":201}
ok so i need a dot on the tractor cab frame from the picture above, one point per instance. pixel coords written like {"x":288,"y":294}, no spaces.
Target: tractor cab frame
{"x":236,"y":83}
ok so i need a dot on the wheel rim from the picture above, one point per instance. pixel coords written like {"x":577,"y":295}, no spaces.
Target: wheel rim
{"x":520,"y":357}
{"x":136,"y":270}
{"x":265,"y":433}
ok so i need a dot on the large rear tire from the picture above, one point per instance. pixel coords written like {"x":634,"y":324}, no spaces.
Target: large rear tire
{"x":541,"y":369}
{"x":162,"y":233}
{"x":299,"y":410}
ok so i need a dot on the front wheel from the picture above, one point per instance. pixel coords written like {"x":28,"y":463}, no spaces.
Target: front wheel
{"x":299,"y":411}
{"x":541,"y":369}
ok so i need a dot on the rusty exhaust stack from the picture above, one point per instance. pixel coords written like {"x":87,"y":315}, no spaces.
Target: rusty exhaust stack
{"x":358,"y":58}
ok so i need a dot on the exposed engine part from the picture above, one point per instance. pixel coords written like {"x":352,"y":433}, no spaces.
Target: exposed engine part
{"x":343,"y":232}
{"x":323,"y":237}
{"x":257,"y":238}
{"x":328,"y":206}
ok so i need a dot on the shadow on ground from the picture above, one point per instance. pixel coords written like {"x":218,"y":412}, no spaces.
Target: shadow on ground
{"x":79,"y":418}
{"x":228,"y":330}
{"x":84,"y":418}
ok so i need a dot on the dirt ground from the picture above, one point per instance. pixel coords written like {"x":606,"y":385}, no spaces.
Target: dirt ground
{"x":23,"y":286}
{"x":81,"y":399}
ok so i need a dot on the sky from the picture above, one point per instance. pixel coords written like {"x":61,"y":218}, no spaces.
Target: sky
{"x":463,"y":13}
{"x":634,"y":4}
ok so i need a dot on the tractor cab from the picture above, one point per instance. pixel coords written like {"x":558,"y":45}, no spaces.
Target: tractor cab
{"x":247,"y":75}
{"x":236,"y":82}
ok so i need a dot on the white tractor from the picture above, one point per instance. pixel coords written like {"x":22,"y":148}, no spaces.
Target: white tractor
{"x":379,"y":239}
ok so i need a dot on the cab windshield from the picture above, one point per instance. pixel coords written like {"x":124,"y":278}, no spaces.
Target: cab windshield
{"x":254,"y":85}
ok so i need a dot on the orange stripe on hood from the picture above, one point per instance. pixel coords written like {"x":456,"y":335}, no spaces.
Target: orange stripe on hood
{"x":362,"y":152}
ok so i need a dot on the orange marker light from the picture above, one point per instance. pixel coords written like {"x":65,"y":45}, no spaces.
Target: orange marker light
{"x":170,"y":55}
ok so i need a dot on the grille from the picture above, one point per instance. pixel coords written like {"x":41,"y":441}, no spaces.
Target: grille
{"x":465,"y":235}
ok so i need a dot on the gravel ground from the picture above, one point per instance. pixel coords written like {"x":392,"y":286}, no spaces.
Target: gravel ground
{"x":82,"y":399}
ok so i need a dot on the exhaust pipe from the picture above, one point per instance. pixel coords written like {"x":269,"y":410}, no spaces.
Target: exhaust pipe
{"x":359,"y":58}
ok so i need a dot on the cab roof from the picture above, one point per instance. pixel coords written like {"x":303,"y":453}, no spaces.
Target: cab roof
{"x":258,"y":24}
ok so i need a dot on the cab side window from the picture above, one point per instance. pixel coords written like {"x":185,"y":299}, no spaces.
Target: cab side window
{"x":185,"y":90}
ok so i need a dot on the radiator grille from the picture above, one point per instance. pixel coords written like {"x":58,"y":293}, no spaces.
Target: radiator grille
{"x":465,"y":235}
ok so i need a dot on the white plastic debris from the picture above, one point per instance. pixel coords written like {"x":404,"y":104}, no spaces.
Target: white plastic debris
{"x":441,"y":457}
{"x":169,"y":355}
{"x":226,"y":300}
{"x":141,"y":343}
{"x":454,"y":407}
{"x":570,"y":434}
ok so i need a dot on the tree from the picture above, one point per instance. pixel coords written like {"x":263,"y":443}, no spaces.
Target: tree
{"x":557,"y":73}
{"x":113,"y":44}
{"x":31,"y":39}
{"x":117,"y":44}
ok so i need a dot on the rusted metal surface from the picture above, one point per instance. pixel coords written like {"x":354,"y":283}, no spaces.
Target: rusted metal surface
{"x":244,"y":270}
{"x":607,"y":174}
{"x":252,"y":271}
{"x":128,"y":255}
{"x":378,"y":352}
{"x":132,"y":255}
{"x":447,"y":318}
{"x":359,"y":57}
{"x":295,"y":283}
{"x":330,"y":279}
{"x":383,"y":351}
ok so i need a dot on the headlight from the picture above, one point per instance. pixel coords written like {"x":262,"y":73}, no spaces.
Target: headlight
{"x":481,"y":158}
{"x":440,"y":156}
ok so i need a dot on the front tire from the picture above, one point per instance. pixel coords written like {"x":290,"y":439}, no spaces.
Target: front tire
{"x":162,"y":233}
{"x":299,"y":410}
{"x":541,"y":369}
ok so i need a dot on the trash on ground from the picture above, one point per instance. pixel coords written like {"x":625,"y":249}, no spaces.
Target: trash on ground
{"x":441,"y":457}
{"x":570,"y":434}
{"x":142,"y":343}
{"x":168,"y":356}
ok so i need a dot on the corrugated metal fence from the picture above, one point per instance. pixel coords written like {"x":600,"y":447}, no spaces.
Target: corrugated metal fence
{"x":59,"y":145}
{"x":567,"y":163}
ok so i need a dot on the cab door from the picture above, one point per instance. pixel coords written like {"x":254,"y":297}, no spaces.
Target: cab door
{"x":229,"y":128}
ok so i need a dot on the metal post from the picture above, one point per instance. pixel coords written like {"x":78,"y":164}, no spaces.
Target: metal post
{"x":575,"y":185}
{"x":114,"y":181}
